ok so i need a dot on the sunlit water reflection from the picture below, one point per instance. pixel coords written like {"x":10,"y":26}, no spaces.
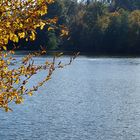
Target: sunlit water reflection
{"x":93,"y":99}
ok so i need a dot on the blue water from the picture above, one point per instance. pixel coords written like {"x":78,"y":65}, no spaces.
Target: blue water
{"x":92,"y":99}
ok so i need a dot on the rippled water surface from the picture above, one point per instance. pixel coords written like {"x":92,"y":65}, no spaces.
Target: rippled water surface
{"x":93,"y":99}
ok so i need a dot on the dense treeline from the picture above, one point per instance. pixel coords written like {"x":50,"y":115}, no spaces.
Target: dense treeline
{"x":104,"y":27}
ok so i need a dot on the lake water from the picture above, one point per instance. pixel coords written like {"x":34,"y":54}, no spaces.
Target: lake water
{"x":92,"y":99}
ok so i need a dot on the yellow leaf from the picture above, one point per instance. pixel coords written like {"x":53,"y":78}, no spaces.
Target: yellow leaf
{"x":30,"y":93}
{"x":4,"y":47}
{"x":50,"y":28}
{"x":17,"y":81}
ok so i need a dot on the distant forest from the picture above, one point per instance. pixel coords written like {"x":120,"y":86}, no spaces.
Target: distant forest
{"x":95,"y":26}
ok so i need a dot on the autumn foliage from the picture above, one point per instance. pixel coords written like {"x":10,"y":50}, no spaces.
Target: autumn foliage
{"x":19,"y":19}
